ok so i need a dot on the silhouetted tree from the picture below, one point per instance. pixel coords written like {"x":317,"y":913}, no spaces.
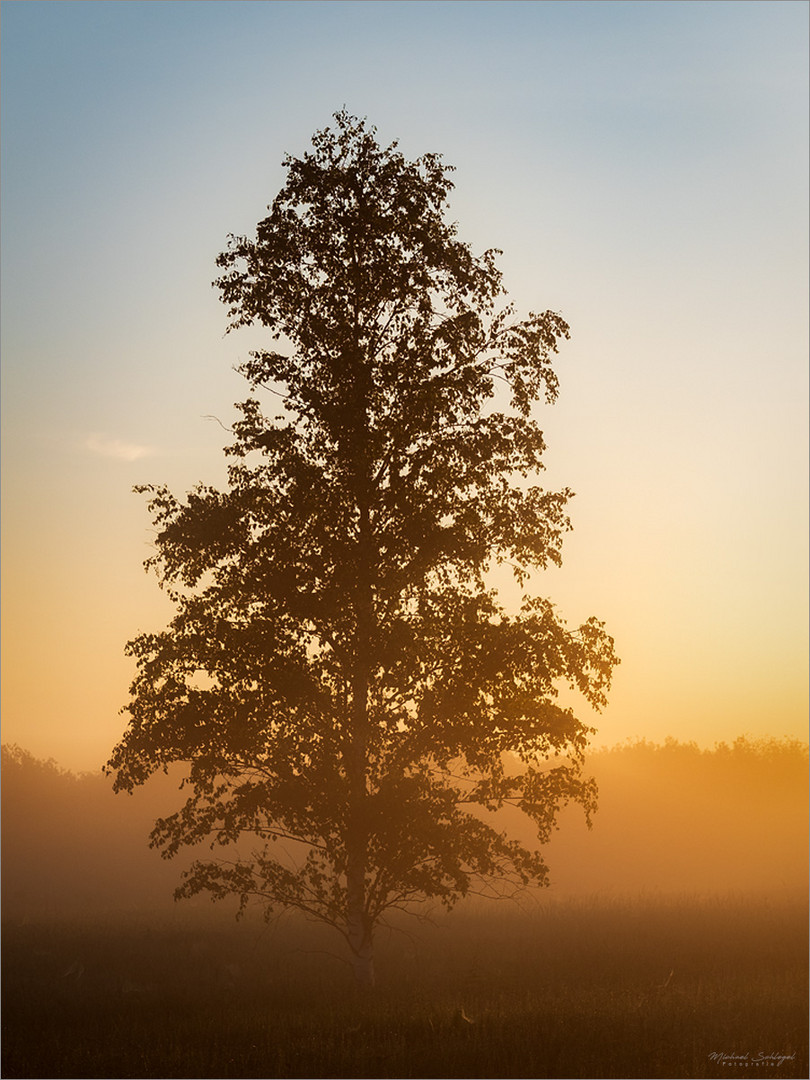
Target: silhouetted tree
{"x":338,"y":675}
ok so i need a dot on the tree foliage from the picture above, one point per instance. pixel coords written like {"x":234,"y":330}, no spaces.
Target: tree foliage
{"x":338,"y":676}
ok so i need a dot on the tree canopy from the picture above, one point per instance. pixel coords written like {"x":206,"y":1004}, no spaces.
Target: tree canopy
{"x":339,"y":676}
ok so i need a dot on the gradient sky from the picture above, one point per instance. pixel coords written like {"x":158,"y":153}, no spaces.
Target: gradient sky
{"x":642,"y":165}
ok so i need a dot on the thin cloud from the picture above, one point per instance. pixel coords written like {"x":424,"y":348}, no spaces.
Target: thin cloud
{"x":115,"y":448}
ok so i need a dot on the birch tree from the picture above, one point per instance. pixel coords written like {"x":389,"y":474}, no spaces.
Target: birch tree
{"x":340,"y":677}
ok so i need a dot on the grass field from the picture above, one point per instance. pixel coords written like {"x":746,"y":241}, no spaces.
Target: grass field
{"x":552,"y":990}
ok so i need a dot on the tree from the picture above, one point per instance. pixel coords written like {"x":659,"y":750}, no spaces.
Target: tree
{"x":339,"y":677}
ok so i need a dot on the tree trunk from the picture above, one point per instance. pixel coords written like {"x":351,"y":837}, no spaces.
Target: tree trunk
{"x":361,"y":942}
{"x":358,"y":921}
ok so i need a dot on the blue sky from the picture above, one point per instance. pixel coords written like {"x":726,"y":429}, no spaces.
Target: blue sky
{"x":642,"y":165}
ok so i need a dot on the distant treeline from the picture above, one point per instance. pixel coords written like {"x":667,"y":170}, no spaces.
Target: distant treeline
{"x":672,"y":819}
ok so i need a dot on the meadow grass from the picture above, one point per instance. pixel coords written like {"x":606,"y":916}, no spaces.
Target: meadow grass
{"x":555,"y":990}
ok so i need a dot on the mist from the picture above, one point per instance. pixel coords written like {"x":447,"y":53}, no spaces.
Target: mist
{"x":673,"y":819}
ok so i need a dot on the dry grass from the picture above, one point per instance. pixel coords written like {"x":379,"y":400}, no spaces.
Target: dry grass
{"x":562,"y":990}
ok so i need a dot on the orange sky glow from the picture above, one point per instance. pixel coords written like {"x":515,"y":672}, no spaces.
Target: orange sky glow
{"x":647,"y":179}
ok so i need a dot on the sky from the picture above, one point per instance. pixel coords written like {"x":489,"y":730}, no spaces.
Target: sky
{"x":644,"y":168}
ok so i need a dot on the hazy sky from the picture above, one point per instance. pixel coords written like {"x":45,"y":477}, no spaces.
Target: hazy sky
{"x":643,"y":166}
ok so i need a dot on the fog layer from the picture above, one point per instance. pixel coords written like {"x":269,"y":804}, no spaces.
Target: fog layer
{"x":672,"y":819}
